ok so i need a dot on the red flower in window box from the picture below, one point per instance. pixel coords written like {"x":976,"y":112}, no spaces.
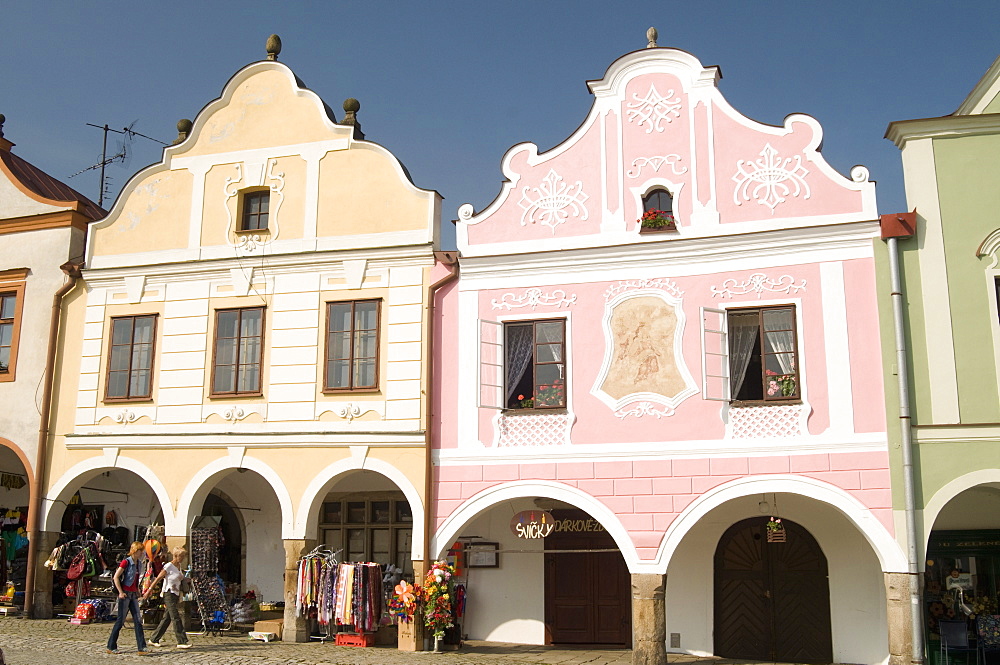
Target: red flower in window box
{"x":658,"y":220}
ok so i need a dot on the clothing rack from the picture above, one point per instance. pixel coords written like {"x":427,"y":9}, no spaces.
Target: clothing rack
{"x":339,"y":593}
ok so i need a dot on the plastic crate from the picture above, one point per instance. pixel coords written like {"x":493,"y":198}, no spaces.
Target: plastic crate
{"x":352,"y":640}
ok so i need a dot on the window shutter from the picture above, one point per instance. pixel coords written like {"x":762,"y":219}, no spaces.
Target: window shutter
{"x":491,"y":390}
{"x":714,"y":355}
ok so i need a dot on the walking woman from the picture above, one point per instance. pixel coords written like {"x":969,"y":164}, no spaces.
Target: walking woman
{"x":172,"y":576}
{"x":126,"y":580}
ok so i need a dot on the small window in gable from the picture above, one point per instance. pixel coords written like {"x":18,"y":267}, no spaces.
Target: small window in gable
{"x":658,"y":199}
{"x":255,"y":210}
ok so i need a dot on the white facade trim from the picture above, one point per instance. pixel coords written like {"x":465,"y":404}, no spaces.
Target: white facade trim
{"x":251,"y":436}
{"x":655,"y":450}
{"x":922,"y":194}
{"x":835,"y":343}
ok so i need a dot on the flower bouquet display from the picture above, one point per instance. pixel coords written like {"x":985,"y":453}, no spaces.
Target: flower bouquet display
{"x":439,"y":589}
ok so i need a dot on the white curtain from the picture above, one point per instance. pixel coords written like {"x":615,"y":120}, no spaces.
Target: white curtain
{"x":743,"y":331}
{"x":779,"y":338}
{"x":520,"y":344}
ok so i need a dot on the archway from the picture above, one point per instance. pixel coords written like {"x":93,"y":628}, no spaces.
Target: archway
{"x":857,"y":599}
{"x":15,"y":496}
{"x":119,"y":503}
{"x":571,"y":587}
{"x":962,"y":562}
{"x":236,"y":525}
{"x":772,"y":595}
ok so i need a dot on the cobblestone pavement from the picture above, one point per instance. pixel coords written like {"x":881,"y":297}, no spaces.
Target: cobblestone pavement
{"x":56,"y":642}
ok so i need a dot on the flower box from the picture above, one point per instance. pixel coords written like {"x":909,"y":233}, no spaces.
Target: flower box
{"x":657,"y":221}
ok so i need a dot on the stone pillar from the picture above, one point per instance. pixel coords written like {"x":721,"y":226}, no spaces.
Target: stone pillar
{"x":898,"y":617}
{"x":411,"y":635}
{"x":296,"y":628}
{"x":43,"y":576}
{"x":649,"y":620}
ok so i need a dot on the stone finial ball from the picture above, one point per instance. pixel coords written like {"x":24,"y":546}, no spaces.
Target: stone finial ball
{"x":651,"y":35}
{"x":352,"y":105}
{"x":3,"y":118}
{"x":273,"y":46}
{"x":184,"y":126}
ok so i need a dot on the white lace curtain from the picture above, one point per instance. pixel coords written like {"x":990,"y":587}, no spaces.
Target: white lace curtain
{"x":779,"y":338}
{"x":519,"y":347}
{"x":743,"y":332}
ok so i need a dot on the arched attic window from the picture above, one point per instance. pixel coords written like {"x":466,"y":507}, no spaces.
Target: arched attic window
{"x":658,"y":199}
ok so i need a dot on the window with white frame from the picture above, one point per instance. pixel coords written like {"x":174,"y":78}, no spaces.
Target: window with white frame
{"x":750,"y":355}
{"x":523,"y":364}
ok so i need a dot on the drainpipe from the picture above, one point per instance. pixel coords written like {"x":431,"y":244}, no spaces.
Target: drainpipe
{"x":897,"y":226}
{"x":72,"y":271}
{"x":450,"y":260}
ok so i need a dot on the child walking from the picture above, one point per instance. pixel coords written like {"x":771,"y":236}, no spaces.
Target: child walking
{"x":126,"y":581}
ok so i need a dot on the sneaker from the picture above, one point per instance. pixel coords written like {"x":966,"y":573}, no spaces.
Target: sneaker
{"x":113,"y":651}
{"x":186,"y":645}
{"x":155,"y":644}
{"x":144,"y":653}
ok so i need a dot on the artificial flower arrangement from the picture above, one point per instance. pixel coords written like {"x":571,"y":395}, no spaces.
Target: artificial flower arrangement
{"x":780,"y":383}
{"x":549,"y":394}
{"x":405,"y":602}
{"x":553,"y":394}
{"x":438,"y":593}
{"x":658,"y":219}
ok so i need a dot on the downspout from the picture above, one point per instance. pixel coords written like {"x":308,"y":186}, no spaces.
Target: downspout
{"x":897,"y":226}
{"x":450,"y":260}
{"x":72,"y":271}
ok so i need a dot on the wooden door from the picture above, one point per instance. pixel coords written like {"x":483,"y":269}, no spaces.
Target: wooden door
{"x":587,"y":594}
{"x":772,"y":600}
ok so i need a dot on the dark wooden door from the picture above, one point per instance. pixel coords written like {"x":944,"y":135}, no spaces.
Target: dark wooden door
{"x":587,"y":594}
{"x":772,"y":600}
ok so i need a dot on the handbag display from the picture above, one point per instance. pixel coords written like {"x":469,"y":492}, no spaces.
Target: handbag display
{"x":77,"y":567}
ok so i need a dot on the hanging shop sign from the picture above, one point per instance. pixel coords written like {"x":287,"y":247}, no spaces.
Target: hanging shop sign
{"x":532,"y":524}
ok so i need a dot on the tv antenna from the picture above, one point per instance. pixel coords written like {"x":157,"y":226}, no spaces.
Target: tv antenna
{"x":121,"y":156}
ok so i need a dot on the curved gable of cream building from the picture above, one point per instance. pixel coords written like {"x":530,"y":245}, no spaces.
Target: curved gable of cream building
{"x":249,"y":342}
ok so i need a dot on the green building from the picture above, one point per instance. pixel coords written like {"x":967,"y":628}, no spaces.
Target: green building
{"x":949,"y":273}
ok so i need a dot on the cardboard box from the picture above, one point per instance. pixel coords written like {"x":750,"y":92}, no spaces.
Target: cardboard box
{"x":272,"y":626}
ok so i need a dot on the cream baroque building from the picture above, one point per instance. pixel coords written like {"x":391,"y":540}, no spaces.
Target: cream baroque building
{"x":248,"y":341}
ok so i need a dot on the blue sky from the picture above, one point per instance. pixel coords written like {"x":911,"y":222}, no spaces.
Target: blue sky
{"x":450,"y":86}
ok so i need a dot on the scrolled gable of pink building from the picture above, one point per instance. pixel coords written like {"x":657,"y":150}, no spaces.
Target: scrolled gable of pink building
{"x":695,"y":383}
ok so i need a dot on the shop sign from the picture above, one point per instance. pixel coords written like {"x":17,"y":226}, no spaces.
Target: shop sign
{"x":579,"y":525}
{"x":532,"y":524}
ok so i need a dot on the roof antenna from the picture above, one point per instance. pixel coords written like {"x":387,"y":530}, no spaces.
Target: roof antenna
{"x":651,"y":36}
{"x":123,"y":152}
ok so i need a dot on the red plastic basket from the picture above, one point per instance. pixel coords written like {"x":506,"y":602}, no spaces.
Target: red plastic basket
{"x":352,"y":640}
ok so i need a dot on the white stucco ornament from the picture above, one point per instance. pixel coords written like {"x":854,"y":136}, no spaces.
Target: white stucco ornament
{"x":758,"y":283}
{"x":654,"y":109}
{"x":533,"y":298}
{"x":656,"y":162}
{"x":771,"y":179}
{"x":552,"y":202}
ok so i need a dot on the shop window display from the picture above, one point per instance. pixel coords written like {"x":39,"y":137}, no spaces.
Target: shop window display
{"x":374,"y":527}
{"x":961,"y":577}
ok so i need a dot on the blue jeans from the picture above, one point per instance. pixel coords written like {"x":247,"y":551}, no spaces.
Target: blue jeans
{"x":130,"y":603}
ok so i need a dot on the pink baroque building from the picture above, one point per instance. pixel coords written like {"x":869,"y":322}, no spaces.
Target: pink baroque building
{"x":690,"y":408}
